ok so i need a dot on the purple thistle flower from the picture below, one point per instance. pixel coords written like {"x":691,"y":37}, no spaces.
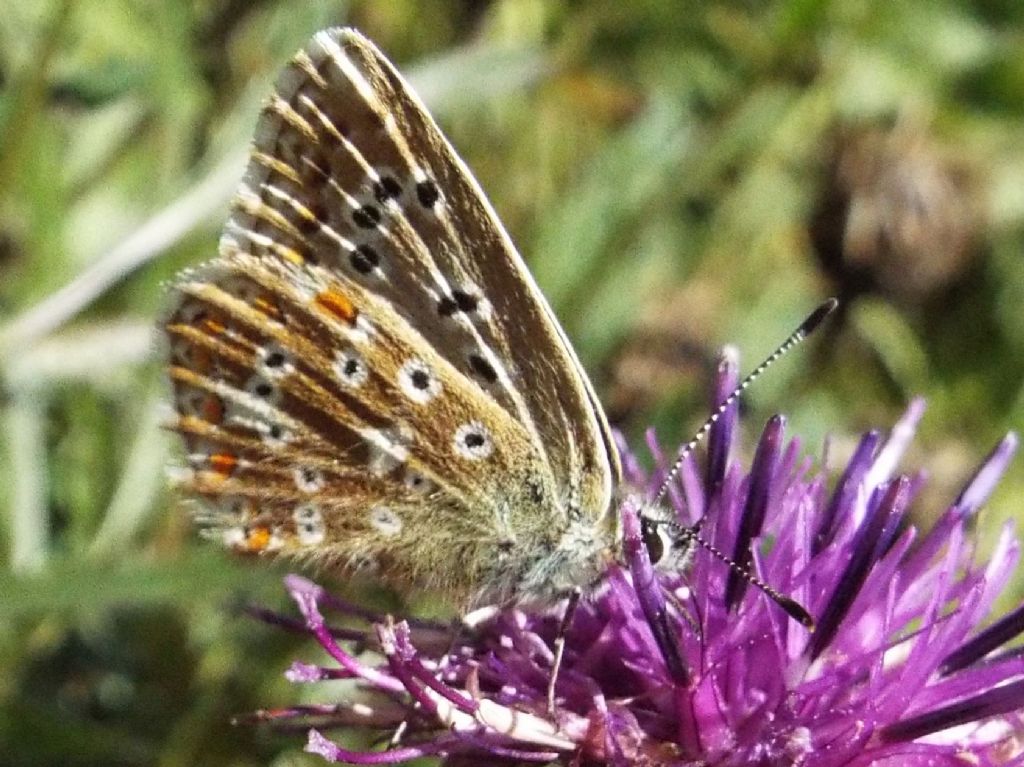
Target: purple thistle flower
{"x":699,"y":668}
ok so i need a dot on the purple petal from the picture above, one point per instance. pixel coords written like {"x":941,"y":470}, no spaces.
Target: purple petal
{"x":996,"y":635}
{"x":900,"y":437}
{"x":766,"y":460}
{"x":648,"y":591}
{"x":845,"y":492}
{"x":865,"y":550}
{"x":980,"y":487}
{"x":721,"y":437}
{"x":1001,"y":700}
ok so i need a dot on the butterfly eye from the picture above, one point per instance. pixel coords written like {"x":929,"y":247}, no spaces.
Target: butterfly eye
{"x":653,"y":540}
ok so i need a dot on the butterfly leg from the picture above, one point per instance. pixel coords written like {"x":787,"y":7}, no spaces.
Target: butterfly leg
{"x":563,"y":628}
{"x":396,"y":738}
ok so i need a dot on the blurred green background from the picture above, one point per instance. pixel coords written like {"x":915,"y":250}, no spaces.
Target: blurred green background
{"x":678,"y":174}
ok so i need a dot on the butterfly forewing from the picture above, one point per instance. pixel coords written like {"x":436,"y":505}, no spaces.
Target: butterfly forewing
{"x":368,"y":371}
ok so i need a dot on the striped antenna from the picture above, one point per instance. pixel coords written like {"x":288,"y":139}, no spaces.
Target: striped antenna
{"x":806,"y":327}
{"x":793,"y":609}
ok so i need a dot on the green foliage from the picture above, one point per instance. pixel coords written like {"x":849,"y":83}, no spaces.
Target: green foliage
{"x":667,"y":168}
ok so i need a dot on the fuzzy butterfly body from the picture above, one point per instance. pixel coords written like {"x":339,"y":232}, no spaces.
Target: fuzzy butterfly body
{"x":367,"y":376}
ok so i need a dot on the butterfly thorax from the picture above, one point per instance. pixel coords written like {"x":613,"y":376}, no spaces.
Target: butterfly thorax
{"x":544,"y":569}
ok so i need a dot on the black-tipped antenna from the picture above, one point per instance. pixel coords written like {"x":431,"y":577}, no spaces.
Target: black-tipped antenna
{"x":806,"y":327}
{"x":793,"y":609}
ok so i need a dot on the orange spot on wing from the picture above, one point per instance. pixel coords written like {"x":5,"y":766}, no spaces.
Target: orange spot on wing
{"x":267,"y":307}
{"x":223,"y":463}
{"x":338,"y":304}
{"x":257,"y":539}
{"x":213,"y":327}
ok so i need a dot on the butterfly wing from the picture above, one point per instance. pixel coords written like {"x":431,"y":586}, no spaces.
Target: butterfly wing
{"x":368,"y":373}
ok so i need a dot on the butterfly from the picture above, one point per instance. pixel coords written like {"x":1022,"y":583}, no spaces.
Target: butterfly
{"x":367,"y":376}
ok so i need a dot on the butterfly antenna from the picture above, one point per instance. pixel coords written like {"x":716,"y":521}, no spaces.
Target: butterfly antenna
{"x":805,"y":328}
{"x":793,"y":609}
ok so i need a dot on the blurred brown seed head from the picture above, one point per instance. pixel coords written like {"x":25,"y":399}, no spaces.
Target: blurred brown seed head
{"x":898,"y":214}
